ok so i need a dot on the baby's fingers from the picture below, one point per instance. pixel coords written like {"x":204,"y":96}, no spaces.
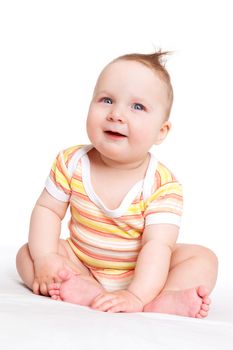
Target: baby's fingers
{"x":117,"y":308}
{"x":44,"y":286}
{"x":43,"y":289}
{"x":113,"y":305}
{"x":36,"y":287}
{"x":101,"y":299}
{"x":107,"y":302}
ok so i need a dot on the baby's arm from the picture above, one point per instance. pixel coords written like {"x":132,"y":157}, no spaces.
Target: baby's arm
{"x":153,"y":261}
{"x":45,"y":228}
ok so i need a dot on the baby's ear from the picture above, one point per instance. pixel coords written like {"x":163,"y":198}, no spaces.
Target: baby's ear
{"x":164,"y":130}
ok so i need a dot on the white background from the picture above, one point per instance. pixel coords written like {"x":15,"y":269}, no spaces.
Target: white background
{"x":51,"y":55}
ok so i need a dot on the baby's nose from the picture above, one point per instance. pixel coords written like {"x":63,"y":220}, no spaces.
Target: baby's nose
{"x":116,"y":116}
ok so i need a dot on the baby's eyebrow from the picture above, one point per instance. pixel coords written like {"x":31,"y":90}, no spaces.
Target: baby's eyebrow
{"x":102,"y":92}
{"x":139,"y":99}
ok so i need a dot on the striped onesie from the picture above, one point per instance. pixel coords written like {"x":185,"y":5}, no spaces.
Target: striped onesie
{"x":108,"y":241}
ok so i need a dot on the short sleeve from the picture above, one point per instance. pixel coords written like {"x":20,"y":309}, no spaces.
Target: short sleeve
{"x":58,"y":181}
{"x":165,"y":205}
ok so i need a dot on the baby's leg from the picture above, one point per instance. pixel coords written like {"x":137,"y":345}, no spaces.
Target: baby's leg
{"x":25,"y":269}
{"x":191,"y":278}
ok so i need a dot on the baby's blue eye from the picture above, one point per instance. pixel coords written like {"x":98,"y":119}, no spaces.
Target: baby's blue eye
{"x":107,"y":100}
{"x":138,"y":106}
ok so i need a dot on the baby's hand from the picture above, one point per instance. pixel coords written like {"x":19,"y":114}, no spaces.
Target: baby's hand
{"x":119,"y":301}
{"x":46,"y":269}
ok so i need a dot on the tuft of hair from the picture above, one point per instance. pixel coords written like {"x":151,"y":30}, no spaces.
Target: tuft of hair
{"x":157,"y":62}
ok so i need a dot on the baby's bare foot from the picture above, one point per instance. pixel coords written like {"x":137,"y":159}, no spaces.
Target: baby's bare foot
{"x":75,"y":288}
{"x":193,"y":302}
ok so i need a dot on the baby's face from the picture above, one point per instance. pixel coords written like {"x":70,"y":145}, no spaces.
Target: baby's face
{"x":128,"y":111}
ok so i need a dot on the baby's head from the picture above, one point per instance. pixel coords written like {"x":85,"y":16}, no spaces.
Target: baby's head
{"x":130,"y":107}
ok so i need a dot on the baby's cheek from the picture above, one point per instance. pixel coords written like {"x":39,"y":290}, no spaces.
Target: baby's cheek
{"x":143,"y":135}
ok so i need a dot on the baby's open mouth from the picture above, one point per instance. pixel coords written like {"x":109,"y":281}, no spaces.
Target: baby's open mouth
{"x":114,"y":133}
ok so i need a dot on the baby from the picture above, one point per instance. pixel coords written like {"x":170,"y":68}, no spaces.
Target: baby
{"x":122,"y":254}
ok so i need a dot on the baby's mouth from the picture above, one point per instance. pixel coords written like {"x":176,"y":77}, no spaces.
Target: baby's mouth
{"x":114,"y":133}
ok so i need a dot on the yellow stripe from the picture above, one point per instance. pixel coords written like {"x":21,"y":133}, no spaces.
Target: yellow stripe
{"x":170,"y":188}
{"x":77,"y":185}
{"x":164,"y":173}
{"x":61,"y":179}
{"x":134,"y":210}
{"x":70,"y":150}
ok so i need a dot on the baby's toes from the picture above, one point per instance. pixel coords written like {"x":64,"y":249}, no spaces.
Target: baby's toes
{"x":54,"y":286}
{"x":201,"y":314}
{"x":56,"y":297}
{"x":54,"y":289}
{"x":53,"y":292}
{"x":206,"y":300}
{"x":205,"y":307}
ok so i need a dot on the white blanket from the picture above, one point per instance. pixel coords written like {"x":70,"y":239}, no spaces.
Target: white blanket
{"x":35,"y":322}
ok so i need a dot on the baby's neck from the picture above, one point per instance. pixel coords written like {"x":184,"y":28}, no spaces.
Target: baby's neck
{"x":111,"y":164}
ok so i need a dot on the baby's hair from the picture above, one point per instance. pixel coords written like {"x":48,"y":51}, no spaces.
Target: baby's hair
{"x":155,"y":61}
